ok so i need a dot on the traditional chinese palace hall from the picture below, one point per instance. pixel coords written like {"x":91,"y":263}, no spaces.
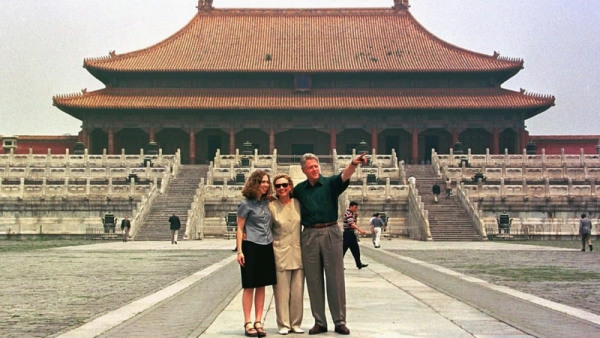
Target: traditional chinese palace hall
{"x":303,"y":80}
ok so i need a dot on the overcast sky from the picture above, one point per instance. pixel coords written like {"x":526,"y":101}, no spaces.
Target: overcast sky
{"x":44,"y":44}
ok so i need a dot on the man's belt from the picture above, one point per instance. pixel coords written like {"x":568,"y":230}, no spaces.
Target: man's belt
{"x":320,"y":225}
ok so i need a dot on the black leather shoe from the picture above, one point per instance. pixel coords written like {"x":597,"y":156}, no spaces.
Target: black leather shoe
{"x":342,"y":329}
{"x":317,"y":329}
{"x":363,"y":266}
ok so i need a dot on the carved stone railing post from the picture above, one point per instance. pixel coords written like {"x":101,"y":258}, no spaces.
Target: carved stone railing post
{"x":22,"y":188}
{"x":418,"y":222}
{"x":66,"y":188}
{"x":471,"y":209}
{"x":110,"y":187}
{"x":44,"y":187}
{"x":87,"y":187}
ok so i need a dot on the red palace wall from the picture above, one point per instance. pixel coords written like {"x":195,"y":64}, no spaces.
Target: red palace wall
{"x":41,"y":144}
{"x":570,"y":143}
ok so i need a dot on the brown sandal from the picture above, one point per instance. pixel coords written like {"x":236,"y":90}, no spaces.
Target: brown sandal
{"x":259,"y":329}
{"x":250,"y":331}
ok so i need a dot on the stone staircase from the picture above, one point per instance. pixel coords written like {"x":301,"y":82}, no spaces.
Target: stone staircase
{"x":177,"y":199}
{"x":448,"y":221}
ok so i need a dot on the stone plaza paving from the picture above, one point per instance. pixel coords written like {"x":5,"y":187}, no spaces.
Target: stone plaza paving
{"x":569,"y":277}
{"x":46,"y":291}
{"x":53,"y":291}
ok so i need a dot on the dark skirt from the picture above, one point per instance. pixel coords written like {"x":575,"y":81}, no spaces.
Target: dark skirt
{"x":259,"y":269}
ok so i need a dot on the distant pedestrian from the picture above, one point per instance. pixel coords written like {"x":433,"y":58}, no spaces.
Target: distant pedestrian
{"x":448,"y":187}
{"x":175,"y":225}
{"x":125,"y":226}
{"x":350,"y":240}
{"x":436,"y":191}
{"x":585,"y":230}
{"x":377,"y":225}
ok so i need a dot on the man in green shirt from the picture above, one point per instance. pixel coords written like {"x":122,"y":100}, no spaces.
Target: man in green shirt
{"x":322,"y":240}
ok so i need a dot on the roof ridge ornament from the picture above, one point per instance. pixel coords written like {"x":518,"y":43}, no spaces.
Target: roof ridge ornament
{"x":205,"y":5}
{"x":400,"y":5}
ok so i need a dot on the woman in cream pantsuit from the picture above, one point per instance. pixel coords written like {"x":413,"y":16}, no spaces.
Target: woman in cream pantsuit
{"x":289,"y":290}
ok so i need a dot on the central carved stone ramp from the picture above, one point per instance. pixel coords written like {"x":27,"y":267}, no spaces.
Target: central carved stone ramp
{"x":448,"y":221}
{"x":177,"y":199}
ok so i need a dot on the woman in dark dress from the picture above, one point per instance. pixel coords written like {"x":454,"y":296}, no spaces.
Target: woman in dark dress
{"x":255,"y":248}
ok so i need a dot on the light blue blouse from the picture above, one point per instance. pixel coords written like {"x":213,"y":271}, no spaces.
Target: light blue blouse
{"x":258,"y":220}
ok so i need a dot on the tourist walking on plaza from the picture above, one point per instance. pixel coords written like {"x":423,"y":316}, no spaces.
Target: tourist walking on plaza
{"x":585,"y":230}
{"x":125,"y":226}
{"x":322,"y":240}
{"x":350,"y":240}
{"x":174,"y":225}
{"x":289,"y":290}
{"x":376,"y":226}
{"x":436,"y":192}
{"x":255,"y":249}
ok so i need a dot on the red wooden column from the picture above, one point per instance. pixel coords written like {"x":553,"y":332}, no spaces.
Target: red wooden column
{"x":374,"y":139}
{"x":111,"y":141}
{"x":415,"y":146}
{"x":192,"y":146}
{"x":231,"y":141}
{"x":332,"y":139}
{"x":151,"y":135}
{"x":495,"y":141}
{"x":454,"y":137}
{"x":84,"y":137}
{"x":271,"y":140}
{"x":523,"y":139}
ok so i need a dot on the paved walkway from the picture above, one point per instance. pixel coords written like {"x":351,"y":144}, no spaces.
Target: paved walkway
{"x":395,"y":296}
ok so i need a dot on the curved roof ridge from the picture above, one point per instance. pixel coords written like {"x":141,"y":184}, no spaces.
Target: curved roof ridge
{"x":495,"y":55}
{"x":305,"y":40}
{"x":322,"y":92}
{"x":303,"y":11}
{"x":113,"y":54}
{"x":68,"y":95}
{"x":542,"y":96}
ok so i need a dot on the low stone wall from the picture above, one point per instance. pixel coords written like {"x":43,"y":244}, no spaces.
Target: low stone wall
{"x":527,"y":191}
{"x":72,"y":217}
{"x":562,"y":224}
{"x":86,"y":160}
{"x":524,"y":173}
{"x":516,"y":160}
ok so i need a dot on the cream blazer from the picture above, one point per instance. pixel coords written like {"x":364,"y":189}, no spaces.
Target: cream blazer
{"x":286,"y":228}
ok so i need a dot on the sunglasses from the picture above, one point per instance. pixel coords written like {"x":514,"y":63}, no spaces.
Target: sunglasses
{"x":281,"y":185}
